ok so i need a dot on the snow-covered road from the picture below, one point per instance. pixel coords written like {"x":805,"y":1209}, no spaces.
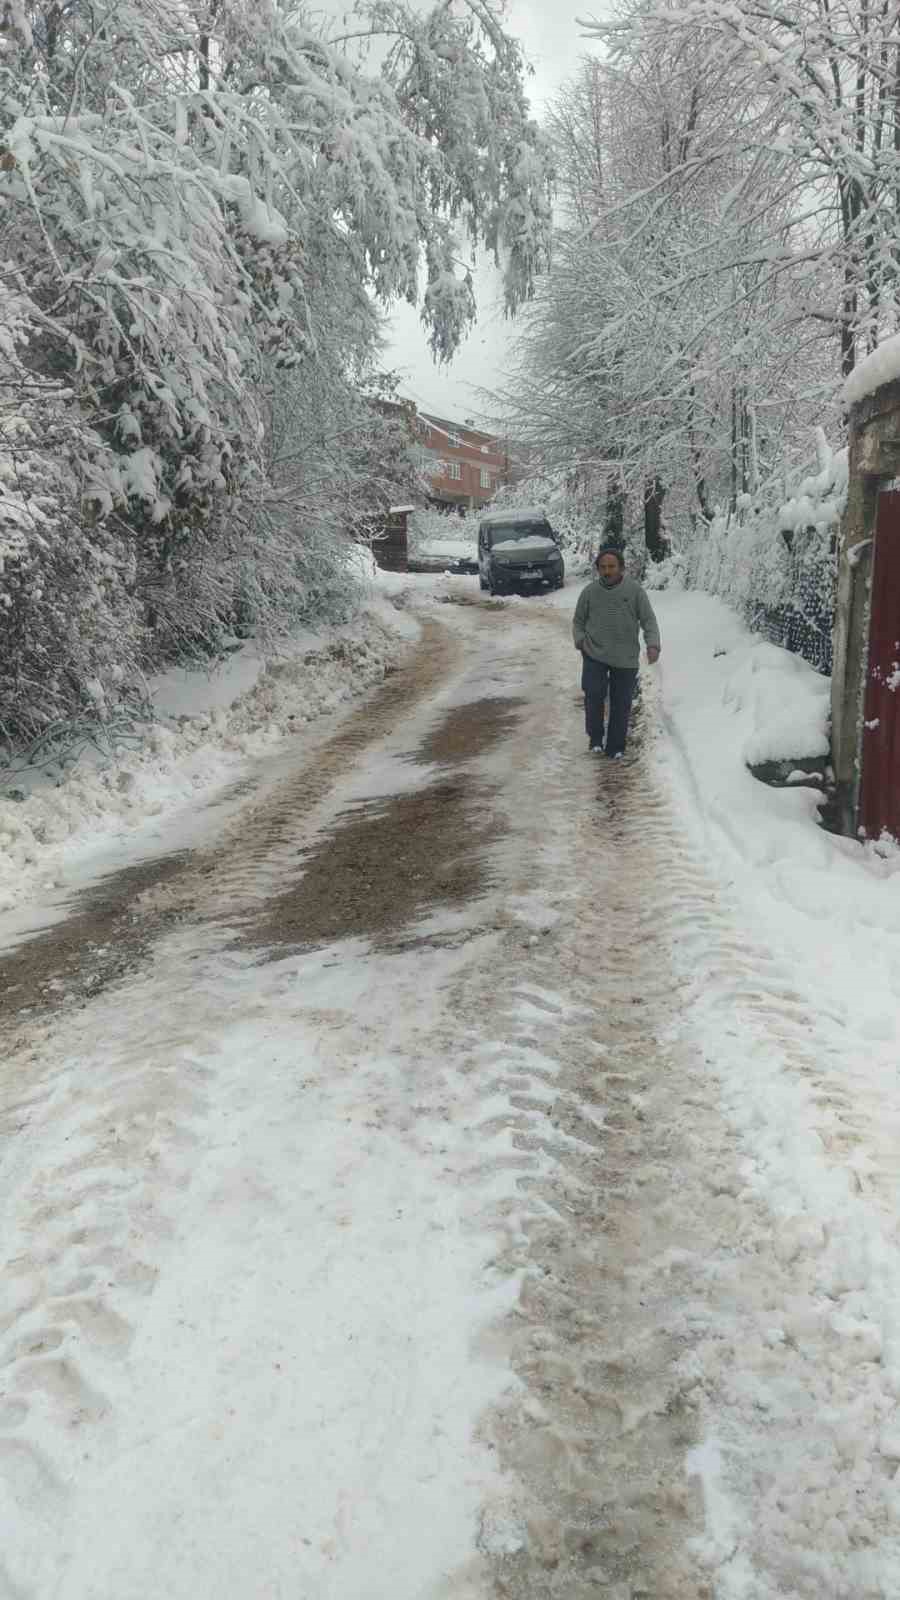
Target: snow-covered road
{"x":398,"y":1228}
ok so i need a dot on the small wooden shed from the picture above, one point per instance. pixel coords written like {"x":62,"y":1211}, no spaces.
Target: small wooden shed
{"x":390,"y":546}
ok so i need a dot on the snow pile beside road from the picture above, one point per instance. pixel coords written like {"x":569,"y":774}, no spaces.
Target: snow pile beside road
{"x":723,"y":681}
{"x":210,"y":725}
{"x":731,"y":699}
{"x":798,"y":1021}
{"x":826,"y":907}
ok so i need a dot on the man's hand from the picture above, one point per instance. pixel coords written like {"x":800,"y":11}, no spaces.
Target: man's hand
{"x":652,"y":653}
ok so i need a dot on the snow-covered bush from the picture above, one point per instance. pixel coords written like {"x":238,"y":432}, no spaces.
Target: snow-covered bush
{"x":670,"y":573}
{"x":70,"y":628}
{"x":773,"y":560}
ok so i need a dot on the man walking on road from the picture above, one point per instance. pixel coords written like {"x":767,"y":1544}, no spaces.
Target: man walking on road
{"x":608,"y":613}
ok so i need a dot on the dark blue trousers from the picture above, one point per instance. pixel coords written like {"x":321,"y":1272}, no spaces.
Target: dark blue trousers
{"x":599,"y":680}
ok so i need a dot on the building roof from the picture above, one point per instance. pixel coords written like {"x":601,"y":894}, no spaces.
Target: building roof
{"x":445,"y":425}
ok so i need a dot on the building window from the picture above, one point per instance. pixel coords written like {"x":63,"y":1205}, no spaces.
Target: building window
{"x":454,"y":440}
{"x":485,"y":478}
{"x":454,"y":469}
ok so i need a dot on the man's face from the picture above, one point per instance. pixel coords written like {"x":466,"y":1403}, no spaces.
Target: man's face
{"x":609,"y":570}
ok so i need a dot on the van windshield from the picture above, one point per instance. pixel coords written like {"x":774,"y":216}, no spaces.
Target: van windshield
{"x":512,"y":532}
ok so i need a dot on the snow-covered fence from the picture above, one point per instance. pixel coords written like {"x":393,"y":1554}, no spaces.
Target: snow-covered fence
{"x":775,"y":563}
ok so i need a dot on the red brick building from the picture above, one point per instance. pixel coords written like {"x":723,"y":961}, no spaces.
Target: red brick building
{"x":468,"y":466}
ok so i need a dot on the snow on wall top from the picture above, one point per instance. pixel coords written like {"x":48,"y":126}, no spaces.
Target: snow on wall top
{"x":882,"y":366}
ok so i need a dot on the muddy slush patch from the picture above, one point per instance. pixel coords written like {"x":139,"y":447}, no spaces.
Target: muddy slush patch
{"x":390,"y":860}
{"x":105,"y":937}
{"x":468,"y":730}
{"x":387,"y":862}
{"x":383,"y":865}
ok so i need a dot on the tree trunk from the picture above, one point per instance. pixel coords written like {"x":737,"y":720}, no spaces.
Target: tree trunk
{"x":658,"y":546}
{"x":734,"y":451}
{"x":699,"y":479}
{"x":614,"y":521}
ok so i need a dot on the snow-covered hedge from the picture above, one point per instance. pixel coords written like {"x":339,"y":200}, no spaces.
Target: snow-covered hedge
{"x":774,"y":562}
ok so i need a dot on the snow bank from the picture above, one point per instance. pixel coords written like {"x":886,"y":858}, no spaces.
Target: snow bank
{"x":210,"y":725}
{"x":731,"y":698}
{"x":789,"y":960}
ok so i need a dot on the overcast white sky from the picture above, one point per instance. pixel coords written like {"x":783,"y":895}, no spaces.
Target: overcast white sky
{"x":553,"y":43}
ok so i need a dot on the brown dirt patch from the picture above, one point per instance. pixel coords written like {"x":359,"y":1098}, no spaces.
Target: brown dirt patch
{"x":105,"y":937}
{"x":390,"y":860}
{"x":468,"y":730}
{"x":387,"y":862}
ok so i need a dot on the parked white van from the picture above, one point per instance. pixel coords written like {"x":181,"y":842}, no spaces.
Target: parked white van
{"x":518,"y":550}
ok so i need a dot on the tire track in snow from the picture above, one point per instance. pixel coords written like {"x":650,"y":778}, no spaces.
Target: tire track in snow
{"x":704,"y":1406}
{"x":799,"y":1369}
{"x":95,"y":1226}
{"x":88,"y":1225}
{"x":576,"y":1179}
{"x":68,"y":1305}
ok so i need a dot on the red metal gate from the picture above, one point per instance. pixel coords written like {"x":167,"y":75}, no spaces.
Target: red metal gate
{"x":879,"y":807}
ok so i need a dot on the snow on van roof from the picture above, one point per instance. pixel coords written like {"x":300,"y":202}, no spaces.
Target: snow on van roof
{"x":515,"y":514}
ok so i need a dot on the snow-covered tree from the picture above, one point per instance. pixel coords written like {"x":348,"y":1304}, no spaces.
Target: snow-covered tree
{"x":193,"y":198}
{"x":822,"y":80}
{"x":691,"y":332}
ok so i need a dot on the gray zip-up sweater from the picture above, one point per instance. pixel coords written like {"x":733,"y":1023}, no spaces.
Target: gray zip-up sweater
{"x":606,"y":622}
